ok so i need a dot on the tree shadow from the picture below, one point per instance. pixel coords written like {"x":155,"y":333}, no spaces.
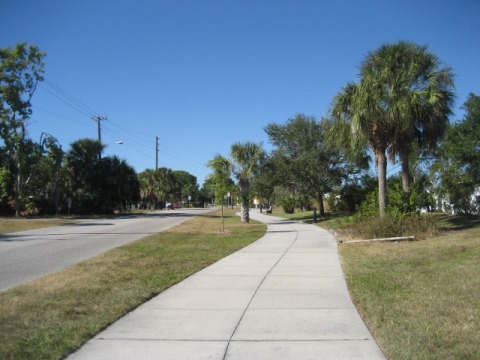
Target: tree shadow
{"x":460,"y":222}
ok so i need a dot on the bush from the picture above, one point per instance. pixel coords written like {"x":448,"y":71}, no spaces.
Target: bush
{"x":392,"y":226}
{"x":400,"y":204}
{"x":288,"y":204}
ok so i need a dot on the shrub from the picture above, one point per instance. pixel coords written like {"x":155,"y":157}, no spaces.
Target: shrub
{"x":288,"y":204}
{"x":400,"y":204}
{"x":392,"y":226}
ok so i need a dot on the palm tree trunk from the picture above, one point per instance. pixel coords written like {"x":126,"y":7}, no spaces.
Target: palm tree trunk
{"x":245,"y":202}
{"x":381,"y":162}
{"x":405,"y":172}
{"x":245,"y":212}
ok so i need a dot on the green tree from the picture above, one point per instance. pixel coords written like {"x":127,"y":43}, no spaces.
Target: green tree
{"x":159,"y":185}
{"x":44,"y":178}
{"x":167,"y":185}
{"x":207,"y":192}
{"x":265,"y":181}
{"x":186,"y":185}
{"x":417,"y":95}
{"x":4,"y":180}
{"x":220,"y":179}
{"x":246,"y":159}
{"x":459,"y":162}
{"x":311,"y":164}
{"x":403,"y":97}
{"x":352,"y":193}
{"x":119,"y":186}
{"x":244,"y":162}
{"x":82,"y":163}
{"x":360,"y":120}
{"x":148,"y":184}
{"x":21,"y":68}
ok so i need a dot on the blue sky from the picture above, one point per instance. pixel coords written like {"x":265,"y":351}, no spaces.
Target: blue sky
{"x":202,"y":75}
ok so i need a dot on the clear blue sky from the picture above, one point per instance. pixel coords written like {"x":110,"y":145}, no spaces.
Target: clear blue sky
{"x":202,"y":75}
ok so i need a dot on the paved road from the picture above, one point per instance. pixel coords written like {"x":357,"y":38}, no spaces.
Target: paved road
{"x":27,"y":255}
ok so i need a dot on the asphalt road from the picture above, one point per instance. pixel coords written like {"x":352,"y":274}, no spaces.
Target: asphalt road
{"x":30,"y":254}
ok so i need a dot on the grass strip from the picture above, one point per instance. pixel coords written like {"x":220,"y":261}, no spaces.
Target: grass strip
{"x":420,"y":300}
{"x":50,"y":317}
{"x":10,"y":225}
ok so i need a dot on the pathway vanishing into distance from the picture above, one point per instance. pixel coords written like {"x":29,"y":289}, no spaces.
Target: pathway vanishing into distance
{"x":282,"y":297}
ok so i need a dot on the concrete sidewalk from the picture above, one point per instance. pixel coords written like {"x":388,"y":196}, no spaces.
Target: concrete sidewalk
{"x":282,"y":297}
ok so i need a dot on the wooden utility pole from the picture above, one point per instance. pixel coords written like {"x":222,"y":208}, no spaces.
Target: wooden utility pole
{"x":156,"y":153}
{"x":99,"y":118}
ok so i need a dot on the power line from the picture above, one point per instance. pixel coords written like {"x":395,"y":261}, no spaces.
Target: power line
{"x":70,"y":97}
{"x":62,"y":116}
{"x":131,"y":135}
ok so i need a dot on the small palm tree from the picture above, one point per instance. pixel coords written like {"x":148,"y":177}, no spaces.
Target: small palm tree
{"x":246,"y":159}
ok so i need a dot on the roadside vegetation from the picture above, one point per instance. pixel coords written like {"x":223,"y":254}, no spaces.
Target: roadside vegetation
{"x":419,"y":299}
{"x":50,"y":317}
{"x":10,"y":225}
{"x":394,"y":117}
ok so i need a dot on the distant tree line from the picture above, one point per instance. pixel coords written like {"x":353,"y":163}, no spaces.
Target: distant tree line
{"x":398,"y":112}
{"x":38,"y":178}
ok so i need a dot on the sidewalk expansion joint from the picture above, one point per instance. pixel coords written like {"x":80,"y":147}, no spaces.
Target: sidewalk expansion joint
{"x":256,"y":290}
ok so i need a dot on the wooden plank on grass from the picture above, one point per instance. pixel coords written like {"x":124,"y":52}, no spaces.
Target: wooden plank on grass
{"x":399,"y":238}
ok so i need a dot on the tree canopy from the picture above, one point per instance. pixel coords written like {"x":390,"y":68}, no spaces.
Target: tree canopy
{"x":459,"y":161}
{"x":403,"y":98}
{"x":310,"y":165}
{"x":21,"y":68}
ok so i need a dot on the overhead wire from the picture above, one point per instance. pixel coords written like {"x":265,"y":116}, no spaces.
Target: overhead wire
{"x":140,"y":139}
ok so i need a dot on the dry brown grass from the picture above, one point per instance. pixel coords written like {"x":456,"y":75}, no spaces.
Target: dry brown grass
{"x":52,"y":316}
{"x":419,"y":299}
{"x":10,"y":225}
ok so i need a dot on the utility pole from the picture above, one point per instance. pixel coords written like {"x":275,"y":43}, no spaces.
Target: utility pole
{"x":99,"y":118}
{"x":156,"y":153}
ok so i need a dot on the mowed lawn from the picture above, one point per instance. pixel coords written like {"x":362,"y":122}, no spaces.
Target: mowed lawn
{"x":420,"y":300}
{"x":50,"y":317}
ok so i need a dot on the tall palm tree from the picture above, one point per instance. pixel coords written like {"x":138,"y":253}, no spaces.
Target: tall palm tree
{"x":165,"y":185}
{"x":148,"y":185}
{"x":82,"y":163}
{"x":246,"y":159}
{"x":403,"y":99}
{"x":417,"y":96}
{"x":360,"y":120}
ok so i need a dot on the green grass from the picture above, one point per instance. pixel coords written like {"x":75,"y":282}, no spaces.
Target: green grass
{"x":330,"y":221}
{"x":420,"y":300}
{"x":50,"y":317}
{"x":10,"y":225}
